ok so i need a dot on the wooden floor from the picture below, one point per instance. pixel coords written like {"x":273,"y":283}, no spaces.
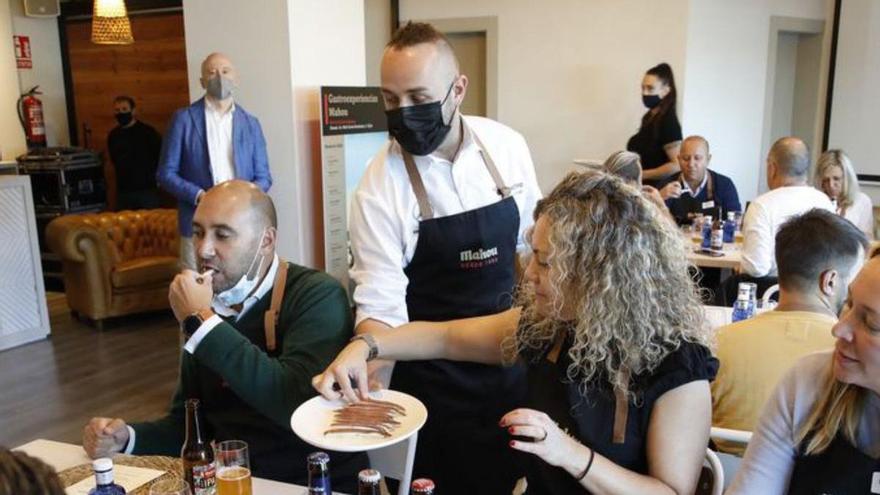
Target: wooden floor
{"x":51,"y":388}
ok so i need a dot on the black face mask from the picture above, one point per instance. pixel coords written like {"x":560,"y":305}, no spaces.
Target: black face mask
{"x":124,"y":118}
{"x":419,"y":129}
{"x":651,"y":101}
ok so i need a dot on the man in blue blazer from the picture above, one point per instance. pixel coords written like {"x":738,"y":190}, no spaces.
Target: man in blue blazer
{"x":209,"y":142}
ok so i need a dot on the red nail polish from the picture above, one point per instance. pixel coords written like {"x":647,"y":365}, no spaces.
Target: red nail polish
{"x":512,"y":443}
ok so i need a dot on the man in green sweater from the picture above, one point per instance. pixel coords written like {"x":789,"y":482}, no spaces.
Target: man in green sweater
{"x":248,"y":378}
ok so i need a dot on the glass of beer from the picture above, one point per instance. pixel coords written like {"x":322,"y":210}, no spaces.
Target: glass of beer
{"x":233,"y":468}
{"x":173,"y":486}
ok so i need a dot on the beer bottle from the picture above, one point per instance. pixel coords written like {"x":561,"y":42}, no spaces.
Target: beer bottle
{"x":104,"y":484}
{"x":197,"y":456}
{"x":368,"y":482}
{"x":422,"y":486}
{"x":319,"y":474}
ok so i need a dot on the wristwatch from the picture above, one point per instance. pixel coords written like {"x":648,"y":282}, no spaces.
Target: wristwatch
{"x":191,"y":323}
{"x":371,"y":343}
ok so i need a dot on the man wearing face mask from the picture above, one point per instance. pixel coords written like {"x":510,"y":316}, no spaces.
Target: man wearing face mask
{"x":209,"y":142}
{"x":818,"y":254}
{"x":436,"y":224}
{"x":257,"y":329}
{"x":134,"y":150}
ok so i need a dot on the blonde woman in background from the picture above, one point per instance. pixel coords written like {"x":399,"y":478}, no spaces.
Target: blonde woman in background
{"x":820,"y":430}
{"x":836,"y":177}
{"x":610,"y":329}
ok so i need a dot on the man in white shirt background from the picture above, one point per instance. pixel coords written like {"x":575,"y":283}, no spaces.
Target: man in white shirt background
{"x":790,"y":194}
{"x":209,"y":142}
{"x":436,"y":224}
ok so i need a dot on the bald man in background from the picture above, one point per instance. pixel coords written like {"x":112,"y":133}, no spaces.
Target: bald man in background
{"x":249,"y":378}
{"x":436,"y":225}
{"x":209,"y":142}
{"x":788,"y":167}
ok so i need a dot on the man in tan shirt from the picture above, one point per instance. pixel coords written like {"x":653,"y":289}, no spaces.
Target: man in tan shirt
{"x":818,"y":253}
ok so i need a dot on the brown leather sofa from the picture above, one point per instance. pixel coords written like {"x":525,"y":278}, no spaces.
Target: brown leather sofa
{"x":116,"y":263}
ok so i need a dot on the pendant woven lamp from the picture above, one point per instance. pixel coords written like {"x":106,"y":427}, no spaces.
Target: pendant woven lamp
{"x":110,"y":24}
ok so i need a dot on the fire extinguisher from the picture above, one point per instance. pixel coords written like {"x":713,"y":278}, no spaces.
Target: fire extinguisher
{"x":30,"y":114}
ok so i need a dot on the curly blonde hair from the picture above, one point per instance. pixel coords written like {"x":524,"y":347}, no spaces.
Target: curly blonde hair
{"x":622,"y":266}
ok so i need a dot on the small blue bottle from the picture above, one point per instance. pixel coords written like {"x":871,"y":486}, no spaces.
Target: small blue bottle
{"x":319,"y":474}
{"x":741,"y":307}
{"x":707,"y":233}
{"x":729,"y":227}
{"x":104,"y":484}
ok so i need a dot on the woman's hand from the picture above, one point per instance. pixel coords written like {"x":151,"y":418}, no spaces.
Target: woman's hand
{"x":349,"y":368}
{"x":550,"y":443}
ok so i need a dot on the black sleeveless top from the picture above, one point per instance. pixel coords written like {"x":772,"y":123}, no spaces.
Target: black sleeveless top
{"x":590,"y":417}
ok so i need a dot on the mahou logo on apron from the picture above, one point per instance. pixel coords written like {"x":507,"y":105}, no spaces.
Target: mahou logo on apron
{"x":471,"y":259}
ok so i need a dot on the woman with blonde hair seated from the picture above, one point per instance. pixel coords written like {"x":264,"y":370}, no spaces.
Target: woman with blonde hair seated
{"x":820,"y":430}
{"x":610,"y":329}
{"x":836,"y":177}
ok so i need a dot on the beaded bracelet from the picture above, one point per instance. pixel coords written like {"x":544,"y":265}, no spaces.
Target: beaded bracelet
{"x":589,"y":465}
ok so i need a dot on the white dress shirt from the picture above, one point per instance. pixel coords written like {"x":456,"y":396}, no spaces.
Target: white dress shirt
{"x":861,"y":214}
{"x":209,"y":324}
{"x":686,"y":188}
{"x":218,"y":130}
{"x":384,"y":217}
{"x":764,"y":217}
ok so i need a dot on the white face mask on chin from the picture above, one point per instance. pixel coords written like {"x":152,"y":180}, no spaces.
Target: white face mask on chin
{"x":246,"y":284}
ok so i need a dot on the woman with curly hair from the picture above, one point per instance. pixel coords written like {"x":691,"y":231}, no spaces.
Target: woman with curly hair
{"x":610,"y":328}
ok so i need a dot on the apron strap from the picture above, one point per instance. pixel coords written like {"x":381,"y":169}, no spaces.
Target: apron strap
{"x":415,"y":179}
{"x":710,"y":187}
{"x":621,"y":413}
{"x":270,"y":318}
{"x":502,"y":189}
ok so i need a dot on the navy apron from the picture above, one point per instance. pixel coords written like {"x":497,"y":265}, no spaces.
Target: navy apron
{"x":463,"y":266}
{"x":841,"y":469}
{"x":688,"y":206}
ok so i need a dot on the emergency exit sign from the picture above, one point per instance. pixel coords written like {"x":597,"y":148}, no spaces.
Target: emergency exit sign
{"x":23,"y":58}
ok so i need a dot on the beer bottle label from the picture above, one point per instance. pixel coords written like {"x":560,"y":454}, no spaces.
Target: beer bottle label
{"x":203,"y":479}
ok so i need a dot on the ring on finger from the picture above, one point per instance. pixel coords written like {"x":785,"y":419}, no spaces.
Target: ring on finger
{"x":544,"y":437}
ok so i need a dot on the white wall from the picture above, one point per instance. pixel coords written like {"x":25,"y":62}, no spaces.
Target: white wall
{"x":727,"y":45}
{"x":46,"y":72}
{"x":283,"y":51}
{"x":786,"y":67}
{"x":569,"y":70}
{"x":377,"y":33}
{"x":11,"y":136}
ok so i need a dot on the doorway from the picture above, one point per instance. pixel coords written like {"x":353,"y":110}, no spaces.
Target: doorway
{"x":470,"y":48}
{"x":794,"y":71}
{"x":475,"y":41}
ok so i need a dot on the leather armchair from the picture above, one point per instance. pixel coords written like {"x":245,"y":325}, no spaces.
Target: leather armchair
{"x":116,"y":263}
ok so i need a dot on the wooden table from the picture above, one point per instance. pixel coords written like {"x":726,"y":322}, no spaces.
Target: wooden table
{"x":62,"y":456}
{"x":731,"y":260}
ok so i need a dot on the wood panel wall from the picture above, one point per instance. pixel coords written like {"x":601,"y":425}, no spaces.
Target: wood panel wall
{"x":152,"y":71}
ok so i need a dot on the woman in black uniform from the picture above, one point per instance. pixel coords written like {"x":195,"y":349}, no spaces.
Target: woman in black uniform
{"x":611,"y":331}
{"x":659,"y":136}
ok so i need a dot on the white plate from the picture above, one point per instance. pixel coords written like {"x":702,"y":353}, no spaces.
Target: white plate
{"x":313,"y":418}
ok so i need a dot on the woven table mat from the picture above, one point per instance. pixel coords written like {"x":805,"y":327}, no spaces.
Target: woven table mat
{"x":171,"y":466}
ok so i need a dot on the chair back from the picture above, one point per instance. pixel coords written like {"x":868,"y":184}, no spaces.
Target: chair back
{"x":396,"y":461}
{"x":712,"y":477}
